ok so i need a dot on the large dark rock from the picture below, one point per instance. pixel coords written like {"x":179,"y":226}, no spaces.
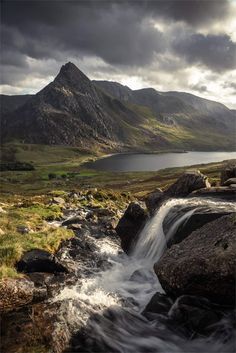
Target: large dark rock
{"x":203,"y":264}
{"x":194,"y":222}
{"x":159,"y":304}
{"x":154,"y":200}
{"x":188,"y":315}
{"x":39,"y":261}
{"x":227,"y":193}
{"x":130,"y":225}
{"x":231,"y":181}
{"x":227,"y":173}
{"x":187,"y":183}
{"x":196,"y":314}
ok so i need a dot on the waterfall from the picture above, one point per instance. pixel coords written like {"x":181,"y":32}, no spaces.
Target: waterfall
{"x":113,"y":299}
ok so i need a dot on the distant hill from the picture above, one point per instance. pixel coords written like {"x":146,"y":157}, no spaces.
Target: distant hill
{"x":201,"y":118}
{"x":72,"y":110}
{"x":11,"y":103}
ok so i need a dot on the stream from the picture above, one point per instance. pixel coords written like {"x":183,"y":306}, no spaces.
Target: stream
{"x":107,"y":305}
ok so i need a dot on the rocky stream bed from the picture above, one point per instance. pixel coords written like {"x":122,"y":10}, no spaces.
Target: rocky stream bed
{"x":159,"y":278}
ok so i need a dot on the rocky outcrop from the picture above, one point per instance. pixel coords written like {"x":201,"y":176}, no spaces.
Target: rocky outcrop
{"x":191,"y":316}
{"x":194,"y":222}
{"x":160,"y":303}
{"x":220,"y":192}
{"x":15,"y":293}
{"x":227,"y":173}
{"x":43,"y":327}
{"x":186,"y":184}
{"x":196,"y":315}
{"x":154,"y":200}
{"x":203,"y":264}
{"x":39,"y":261}
{"x":231,"y":181}
{"x":130,"y":225}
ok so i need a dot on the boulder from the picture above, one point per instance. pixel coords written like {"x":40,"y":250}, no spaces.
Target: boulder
{"x":15,"y":293}
{"x":39,"y":261}
{"x":194,"y":222}
{"x":187,"y":183}
{"x":159,"y":304}
{"x":227,"y":173}
{"x":130,"y":225}
{"x":227,"y":193}
{"x":230,"y":181}
{"x":154,"y":200}
{"x":203,"y":264}
{"x":42,"y":327}
{"x":196,"y":314}
{"x":73,"y":220}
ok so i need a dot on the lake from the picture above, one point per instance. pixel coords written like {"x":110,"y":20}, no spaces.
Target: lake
{"x":153,"y":162}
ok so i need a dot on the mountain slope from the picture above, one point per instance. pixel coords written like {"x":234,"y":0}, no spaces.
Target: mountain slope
{"x":11,"y":103}
{"x":206,"y":121}
{"x":71,"y":110}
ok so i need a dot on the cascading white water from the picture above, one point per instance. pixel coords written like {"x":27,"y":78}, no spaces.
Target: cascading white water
{"x":130,"y":282}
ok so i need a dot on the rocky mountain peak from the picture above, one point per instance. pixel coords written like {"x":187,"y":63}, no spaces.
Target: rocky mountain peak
{"x":71,"y":76}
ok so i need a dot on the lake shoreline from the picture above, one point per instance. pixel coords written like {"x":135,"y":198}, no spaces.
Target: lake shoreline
{"x":144,"y":161}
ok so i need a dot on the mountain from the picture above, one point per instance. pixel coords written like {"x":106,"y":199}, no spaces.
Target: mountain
{"x":198,"y":118}
{"x":11,"y":103}
{"x":72,"y":110}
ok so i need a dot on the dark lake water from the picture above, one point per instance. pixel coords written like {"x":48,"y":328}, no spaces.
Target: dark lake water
{"x":153,"y":162}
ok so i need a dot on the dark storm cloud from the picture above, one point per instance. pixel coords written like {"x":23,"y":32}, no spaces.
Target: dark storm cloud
{"x":45,"y":29}
{"x":217,"y":52}
{"x":192,"y":12}
{"x":119,"y":32}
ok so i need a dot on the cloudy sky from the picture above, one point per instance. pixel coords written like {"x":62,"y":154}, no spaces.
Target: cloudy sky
{"x":168,"y":44}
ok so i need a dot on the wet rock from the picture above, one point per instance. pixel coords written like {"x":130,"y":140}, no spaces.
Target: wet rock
{"x":230,"y":181}
{"x":196,"y":314}
{"x":75,"y":226}
{"x":73,"y":220}
{"x":44,"y":327}
{"x":187,"y":183}
{"x":194,"y":222}
{"x":15,"y":293}
{"x":159,"y":304}
{"x":39,"y":261}
{"x":154,"y":200}
{"x":222,"y":192}
{"x":203,"y":264}
{"x":40,"y":285}
{"x":130,"y":225}
{"x":227,"y":173}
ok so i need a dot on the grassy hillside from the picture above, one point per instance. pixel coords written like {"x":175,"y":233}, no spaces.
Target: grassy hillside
{"x":181,"y":132}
